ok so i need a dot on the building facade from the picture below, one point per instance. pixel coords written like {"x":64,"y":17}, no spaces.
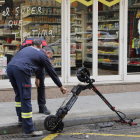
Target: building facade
{"x":102,"y":35}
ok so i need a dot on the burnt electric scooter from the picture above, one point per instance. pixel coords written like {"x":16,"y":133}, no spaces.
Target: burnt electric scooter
{"x":54,"y":122}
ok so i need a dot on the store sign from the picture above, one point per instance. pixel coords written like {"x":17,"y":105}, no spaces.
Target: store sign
{"x":31,"y":11}
{"x":109,"y":4}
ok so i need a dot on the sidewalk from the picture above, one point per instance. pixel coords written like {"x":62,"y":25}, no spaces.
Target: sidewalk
{"x":87,"y":109}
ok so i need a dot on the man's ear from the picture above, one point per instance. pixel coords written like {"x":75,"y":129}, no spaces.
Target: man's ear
{"x":47,"y":52}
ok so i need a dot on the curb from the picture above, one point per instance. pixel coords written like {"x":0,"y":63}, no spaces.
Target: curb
{"x":39,"y":125}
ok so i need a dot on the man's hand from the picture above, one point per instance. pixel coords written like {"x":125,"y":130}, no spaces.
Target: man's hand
{"x":37,"y":82}
{"x":63,"y":90}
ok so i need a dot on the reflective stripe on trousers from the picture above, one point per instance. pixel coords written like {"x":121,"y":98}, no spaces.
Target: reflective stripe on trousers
{"x":18,"y":104}
{"x":26,"y":115}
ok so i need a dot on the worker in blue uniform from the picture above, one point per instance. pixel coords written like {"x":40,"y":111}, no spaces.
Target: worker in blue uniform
{"x":19,"y":71}
{"x":40,"y":75}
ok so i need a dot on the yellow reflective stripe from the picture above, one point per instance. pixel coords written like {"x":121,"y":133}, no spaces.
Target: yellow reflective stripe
{"x":18,"y":104}
{"x":26,"y":115}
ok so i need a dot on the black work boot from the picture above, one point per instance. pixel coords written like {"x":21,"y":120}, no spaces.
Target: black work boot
{"x":43,"y":109}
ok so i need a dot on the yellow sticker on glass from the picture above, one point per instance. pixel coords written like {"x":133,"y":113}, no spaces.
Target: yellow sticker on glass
{"x":105,"y":2}
{"x":58,"y":1}
{"x":88,"y":3}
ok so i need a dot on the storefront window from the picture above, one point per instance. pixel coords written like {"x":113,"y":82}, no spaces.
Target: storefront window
{"x":108,"y":39}
{"x":21,"y":19}
{"x":133,"y":37}
{"x":81,"y":35}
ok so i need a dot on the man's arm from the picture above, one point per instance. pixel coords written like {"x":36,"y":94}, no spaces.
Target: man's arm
{"x":52,"y":73}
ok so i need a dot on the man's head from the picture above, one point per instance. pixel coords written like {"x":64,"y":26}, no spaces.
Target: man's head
{"x":37,"y":43}
{"x":49,"y":51}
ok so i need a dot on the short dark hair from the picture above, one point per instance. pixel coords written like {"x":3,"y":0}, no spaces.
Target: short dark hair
{"x":48,"y":48}
{"x":37,"y":42}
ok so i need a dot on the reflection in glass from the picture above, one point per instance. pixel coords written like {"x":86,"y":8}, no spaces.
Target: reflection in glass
{"x":133,"y":38}
{"x":81,"y":37}
{"x":108,"y":39}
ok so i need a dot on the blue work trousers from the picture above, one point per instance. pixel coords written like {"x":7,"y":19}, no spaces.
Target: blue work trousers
{"x":22,"y":86}
{"x":41,"y":90}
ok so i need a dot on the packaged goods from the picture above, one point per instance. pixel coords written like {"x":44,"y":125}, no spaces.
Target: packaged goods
{"x":49,"y":10}
{"x":41,"y":3}
{"x":52,"y":2}
{"x":3,"y":61}
{"x":72,"y":48}
{"x":47,"y":3}
{"x":2,"y":70}
{"x":31,"y":2}
{"x":57,"y":4}
{"x":55,"y":48}
{"x":131,"y":2}
{"x":59,"y":50}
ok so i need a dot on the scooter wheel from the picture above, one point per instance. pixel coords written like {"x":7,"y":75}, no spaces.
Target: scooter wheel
{"x":60,"y":127}
{"x":50,"y":123}
{"x":81,"y":74}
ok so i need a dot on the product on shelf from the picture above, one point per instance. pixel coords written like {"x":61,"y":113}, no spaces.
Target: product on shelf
{"x":131,"y":2}
{"x":55,"y":48}
{"x":72,"y":48}
{"x":72,"y":60}
{"x":3,"y":60}
{"x":89,"y":27}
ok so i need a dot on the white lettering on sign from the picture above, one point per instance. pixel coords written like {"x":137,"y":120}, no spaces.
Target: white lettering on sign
{"x":17,"y":11}
{"x":6,"y":13}
{"x":14,"y":22}
{"x":33,"y":10}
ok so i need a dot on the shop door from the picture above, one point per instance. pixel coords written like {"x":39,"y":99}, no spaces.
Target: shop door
{"x":110,"y":39}
{"x":81,"y":19}
{"x":96,"y":38}
{"x":132,"y":29}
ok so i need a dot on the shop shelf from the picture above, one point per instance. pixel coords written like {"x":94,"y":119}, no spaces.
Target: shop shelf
{"x":57,"y":55}
{"x":108,"y":62}
{"x":73,"y":54}
{"x":9,"y":45}
{"x":89,"y":30}
{"x":60,"y":66}
{"x":107,"y":54}
{"x":39,"y":22}
{"x":107,"y":11}
{"x":133,"y":64}
{"x":78,"y":50}
{"x":76,"y":25}
{"x":110,"y":46}
{"x":78,"y":13}
{"x":26,"y":15}
{"x":78,"y":41}
{"x":107,"y":38}
{"x":88,"y":52}
{"x":108,"y":29}
{"x":115,"y":20}
{"x":77,"y":33}
{"x":78,"y":19}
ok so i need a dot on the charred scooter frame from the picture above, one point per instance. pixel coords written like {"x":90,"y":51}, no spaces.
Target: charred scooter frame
{"x":54,"y":122}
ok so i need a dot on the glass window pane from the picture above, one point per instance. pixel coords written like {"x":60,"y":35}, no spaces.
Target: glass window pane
{"x":81,"y":36}
{"x":108,"y":39}
{"x":133,"y":38}
{"x":21,"y":19}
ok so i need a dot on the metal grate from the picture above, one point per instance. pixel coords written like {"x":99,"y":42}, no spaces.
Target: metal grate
{"x":4,"y":137}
